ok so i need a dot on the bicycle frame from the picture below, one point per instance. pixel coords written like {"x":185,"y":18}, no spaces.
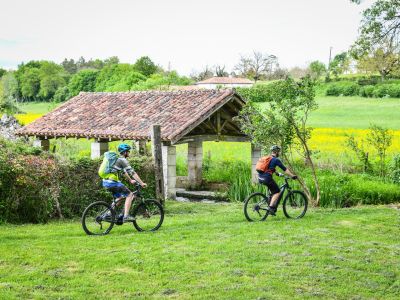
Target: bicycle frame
{"x":137,"y":193}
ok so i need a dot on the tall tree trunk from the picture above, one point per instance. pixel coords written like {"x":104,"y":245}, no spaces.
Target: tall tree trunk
{"x":300,"y":179}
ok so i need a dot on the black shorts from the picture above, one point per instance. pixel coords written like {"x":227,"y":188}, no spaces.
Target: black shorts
{"x":270,"y":183}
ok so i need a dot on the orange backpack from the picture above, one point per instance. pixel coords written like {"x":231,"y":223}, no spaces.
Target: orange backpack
{"x":263,"y":164}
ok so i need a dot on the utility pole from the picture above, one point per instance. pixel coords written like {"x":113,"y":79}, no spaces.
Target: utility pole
{"x":329,"y":64}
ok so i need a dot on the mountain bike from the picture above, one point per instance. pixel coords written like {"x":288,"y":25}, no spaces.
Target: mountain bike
{"x":294,"y":204}
{"x":100,"y":217}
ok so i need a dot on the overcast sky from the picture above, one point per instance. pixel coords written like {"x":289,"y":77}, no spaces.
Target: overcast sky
{"x":189,"y":34}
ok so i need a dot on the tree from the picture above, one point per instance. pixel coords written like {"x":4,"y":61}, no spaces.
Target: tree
{"x":145,"y":66}
{"x":220,"y":71}
{"x":29,"y":83}
{"x":256,"y":66}
{"x":284,"y":122}
{"x":69,"y":65}
{"x":83,"y":81}
{"x":298,"y":72}
{"x":381,"y":22}
{"x":340,"y":64}
{"x":8,"y":93}
{"x":380,"y":138}
{"x":203,"y":74}
{"x":52,"y":77}
{"x":2,"y":72}
{"x":317,"y":69}
{"x":385,"y":60}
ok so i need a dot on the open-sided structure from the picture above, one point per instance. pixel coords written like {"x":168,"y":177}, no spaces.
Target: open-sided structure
{"x":184,"y":116}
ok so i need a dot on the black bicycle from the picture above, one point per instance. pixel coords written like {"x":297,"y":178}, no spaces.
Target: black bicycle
{"x":294,"y":205}
{"x":100,"y":217}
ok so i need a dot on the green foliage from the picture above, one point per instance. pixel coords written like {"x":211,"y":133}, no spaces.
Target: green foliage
{"x":119,"y":77}
{"x":257,"y":93}
{"x":8,"y":93}
{"x":83,"y":81}
{"x":340,"y":64}
{"x":367,"y":91}
{"x":33,"y":184}
{"x":2,"y":72}
{"x":39,"y":80}
{"x":62,"y":94}
{"x":361,"y":153}
{"x":380,"y":22}
{"x":395,"y":169}
{"x":317,"y":69}
{"x":145,"y":66}
{"x":380,"y":139}
{"x":342,"y":88}
{"x":161,"y":81}
{"x":389,"y":88}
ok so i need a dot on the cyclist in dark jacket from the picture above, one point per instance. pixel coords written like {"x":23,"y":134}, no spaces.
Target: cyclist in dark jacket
{"x":266,"y":178}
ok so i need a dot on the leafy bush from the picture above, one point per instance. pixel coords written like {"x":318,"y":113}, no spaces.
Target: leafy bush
{"x":342,"y":88}
{"x":395,"y":169}
{"x":381,"y":91}
{"x":367,"y":91}
{"x":257,"y":93}
{"x":35,"y":186}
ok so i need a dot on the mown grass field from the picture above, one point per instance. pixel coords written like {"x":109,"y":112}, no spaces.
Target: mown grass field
{"x":209,"y":251}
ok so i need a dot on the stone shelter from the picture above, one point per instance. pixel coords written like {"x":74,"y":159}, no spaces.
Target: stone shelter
{"x":191,"y":117}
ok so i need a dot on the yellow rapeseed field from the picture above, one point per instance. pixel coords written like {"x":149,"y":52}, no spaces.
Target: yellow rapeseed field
{"x":333,"y":140}
{"x":25,"y":119}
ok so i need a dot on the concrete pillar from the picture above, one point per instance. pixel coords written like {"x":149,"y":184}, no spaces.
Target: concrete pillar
{"x":43,"y":144}
{"x":195,"y":162}
{"x":255,"y":156}
{"x":141,"y":147}
{"x":98,"y":149}
{"x":169,"y":170}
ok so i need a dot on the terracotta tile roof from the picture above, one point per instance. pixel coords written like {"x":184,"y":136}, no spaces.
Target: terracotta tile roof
{"x":129,"y":115}
{"x":225,"y":80}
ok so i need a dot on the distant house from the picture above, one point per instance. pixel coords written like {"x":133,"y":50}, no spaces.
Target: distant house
{"x":226,"y":82}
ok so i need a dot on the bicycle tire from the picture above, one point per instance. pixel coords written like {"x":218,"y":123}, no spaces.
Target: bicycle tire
{"x":149,"y":215}
{"x":297,"y":207}
{"x":94,"y":216}
{"x":257,"y":199}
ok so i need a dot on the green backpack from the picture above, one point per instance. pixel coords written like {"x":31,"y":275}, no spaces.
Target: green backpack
{"x":106,"y":167}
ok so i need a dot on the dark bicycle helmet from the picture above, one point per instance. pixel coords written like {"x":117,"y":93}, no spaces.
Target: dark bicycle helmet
{"x":124,"y":147}
{"x":275,"y":148}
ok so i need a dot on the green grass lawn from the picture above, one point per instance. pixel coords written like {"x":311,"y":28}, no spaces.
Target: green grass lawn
{"x":355,"y":112}
{"x":37,"y":107}
{"x":209,"y":251}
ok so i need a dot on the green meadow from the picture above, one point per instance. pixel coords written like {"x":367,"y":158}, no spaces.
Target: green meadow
{"x":209,"y":251}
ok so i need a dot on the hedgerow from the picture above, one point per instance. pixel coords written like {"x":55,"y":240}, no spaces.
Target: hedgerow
{"x":36,"y":186}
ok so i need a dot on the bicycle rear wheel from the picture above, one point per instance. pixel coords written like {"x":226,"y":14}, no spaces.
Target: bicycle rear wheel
{"x":98,"y":218}
{"x":295,"y":205}
{"x":149,"y":215}
{"x":255,"y":207}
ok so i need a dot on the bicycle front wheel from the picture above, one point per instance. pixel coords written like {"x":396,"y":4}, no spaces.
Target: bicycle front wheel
{"x":149,"y":215}
{"x":98,"y":218}
{"x":255,"y":207}
{"x":295,"y":205}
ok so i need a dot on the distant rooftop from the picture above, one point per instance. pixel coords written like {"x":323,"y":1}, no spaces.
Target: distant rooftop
{"x":225,"y":80}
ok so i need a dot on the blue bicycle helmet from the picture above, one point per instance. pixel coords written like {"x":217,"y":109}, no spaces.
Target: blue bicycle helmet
{"x":124,"y":147}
